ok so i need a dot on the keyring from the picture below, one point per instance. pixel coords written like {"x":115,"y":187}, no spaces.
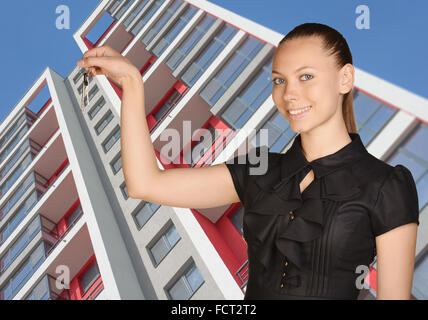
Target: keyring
{"x":85,"y":84}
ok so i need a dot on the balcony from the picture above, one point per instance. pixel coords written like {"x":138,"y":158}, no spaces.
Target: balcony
{"x":28,"y":268}
{"x":34,"y":181}
{"x":41,"y":230}
{"x":46,"y":290}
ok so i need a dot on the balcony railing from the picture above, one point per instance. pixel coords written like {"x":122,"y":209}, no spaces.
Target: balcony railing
{"x":95,"y":290}
{"x":242,"y":274}
{"x":61,"y":236}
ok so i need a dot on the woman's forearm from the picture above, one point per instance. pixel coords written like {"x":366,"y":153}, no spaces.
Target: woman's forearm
{"x":138,"y":157}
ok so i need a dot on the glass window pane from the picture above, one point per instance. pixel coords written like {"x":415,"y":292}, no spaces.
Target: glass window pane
{"x":89,"y":277}
{"x":420,"y":278}
{"x":422,"y":187}
{"x":179,"y":290}
{"x":236,"y":219}
{"x":144,"y":214}
{"x":194,"y":278}
{"x":418,"y":143}
{"x":172,"y":235}
{"x":160,"y":249}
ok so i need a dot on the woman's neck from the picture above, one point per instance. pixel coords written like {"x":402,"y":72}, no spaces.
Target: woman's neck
{"x":320,"y":143}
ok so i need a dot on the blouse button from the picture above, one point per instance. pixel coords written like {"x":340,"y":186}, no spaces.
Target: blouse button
{"x":282,"y":285}
{"x":283,"y":275}
{"x":286,"y":263}
{"x":291,"y":217}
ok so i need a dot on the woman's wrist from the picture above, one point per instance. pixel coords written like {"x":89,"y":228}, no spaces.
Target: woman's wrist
{"x":132,"y":78}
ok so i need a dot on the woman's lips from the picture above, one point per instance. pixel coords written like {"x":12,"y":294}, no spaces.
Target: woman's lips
{"x":299,"y":115}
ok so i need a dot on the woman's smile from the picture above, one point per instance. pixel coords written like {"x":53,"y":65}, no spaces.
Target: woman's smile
{"x":299,"y":113}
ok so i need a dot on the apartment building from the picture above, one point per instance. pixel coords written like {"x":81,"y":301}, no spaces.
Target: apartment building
{"x":68,"y":228}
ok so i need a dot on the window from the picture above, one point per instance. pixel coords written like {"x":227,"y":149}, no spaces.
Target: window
{"x":236,"y":219}
{"x":207,"y":56}
{"x":79,"y":87}
{"x":20,"y":244}
{"x":104,"y":122}
{"x":231,"y":70}
{"x":11,"y":131}
{"x":413,"y":154}
{"x":174,"y":31}
{"x":370,"y":115}
{"x":123,"y":9}
{"x":16,"y":174}
{"x":114,"y":6}
{"x":78,"y":76}
{"x":98,"y":105}
{"x":420,"y":278}
{"x":146,"y":17}
{"x":190,"y":42}
{"x":111,"y":140}
{"x":162,"y":21}
{"x":144,"y":213}
{"x":17,"y":138}
{"x":17,"y":194}
{"x":91,"y":94}
{"x":164,"y":244}
{"x":74,"y":216}
{"x":116,"y":164}
{"x":250,"y":98}
{"x":278,"y":131}
{"x":124,"y":191}
{"x":90,"y":276}
{"x":187,"y":284}
{"x":24,"y":273}
{"x":134,"y":13}
{"x":24,"y":147}
{"x":19,"y":215}
{"x":168,"y":105}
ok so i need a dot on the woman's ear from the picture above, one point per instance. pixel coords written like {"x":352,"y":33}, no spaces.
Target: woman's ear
{"x":346,"y":78}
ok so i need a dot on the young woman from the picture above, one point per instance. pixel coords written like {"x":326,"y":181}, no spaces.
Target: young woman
{"x":315,"y":220}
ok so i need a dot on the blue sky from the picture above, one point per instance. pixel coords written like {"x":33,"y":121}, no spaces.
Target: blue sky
{"x":394,"y":48}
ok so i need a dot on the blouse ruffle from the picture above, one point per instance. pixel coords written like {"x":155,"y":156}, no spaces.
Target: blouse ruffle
{"x":268,"y":221}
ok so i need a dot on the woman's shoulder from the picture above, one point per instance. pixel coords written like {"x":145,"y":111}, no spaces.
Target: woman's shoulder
{"x":378,"y":174}
{"x":372,"y":169}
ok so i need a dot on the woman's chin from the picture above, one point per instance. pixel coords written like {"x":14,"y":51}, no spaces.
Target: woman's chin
{"x":299,"y":127}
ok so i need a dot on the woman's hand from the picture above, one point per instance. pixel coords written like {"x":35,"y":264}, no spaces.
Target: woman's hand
{"x":107,"y":61}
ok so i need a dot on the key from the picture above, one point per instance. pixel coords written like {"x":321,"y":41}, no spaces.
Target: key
{"x":85,"y":84}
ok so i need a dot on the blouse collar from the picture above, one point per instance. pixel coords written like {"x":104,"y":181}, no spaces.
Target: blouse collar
{"x":293,"y":160}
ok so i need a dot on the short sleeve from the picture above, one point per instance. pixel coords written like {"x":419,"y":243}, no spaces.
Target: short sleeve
{"x":238,"y":168}
{"x":397,"y":201}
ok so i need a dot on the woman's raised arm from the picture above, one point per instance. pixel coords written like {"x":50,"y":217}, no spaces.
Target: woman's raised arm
{"x":204,"y":187}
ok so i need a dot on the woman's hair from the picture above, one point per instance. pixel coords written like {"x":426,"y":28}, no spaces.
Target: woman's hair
{"x":335,"y":44}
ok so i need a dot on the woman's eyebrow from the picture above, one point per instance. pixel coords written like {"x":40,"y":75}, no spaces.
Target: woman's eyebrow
{"x":297,"y":70}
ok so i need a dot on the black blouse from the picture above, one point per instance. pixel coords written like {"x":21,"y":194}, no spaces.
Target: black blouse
{"x":308,"y":245}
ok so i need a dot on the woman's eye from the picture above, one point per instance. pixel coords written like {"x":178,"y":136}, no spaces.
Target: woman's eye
{"x":307,"y":75}
{"x":276,"y":82}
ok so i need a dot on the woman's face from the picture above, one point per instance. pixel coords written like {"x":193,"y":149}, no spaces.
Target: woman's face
{"x":304,"y":75}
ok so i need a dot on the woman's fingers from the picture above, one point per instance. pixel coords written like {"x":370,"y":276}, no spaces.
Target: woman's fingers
{"x":88,"y":62}
{"x":103,"y":51}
